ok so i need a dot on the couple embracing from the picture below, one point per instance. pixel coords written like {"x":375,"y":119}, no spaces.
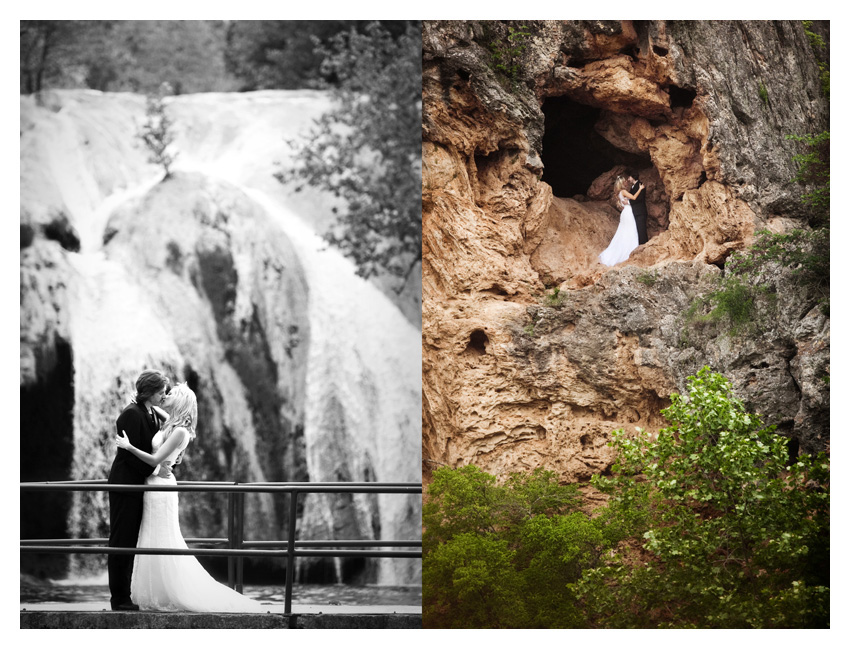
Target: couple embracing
{"x":152,"y":433}
{"x":631,"y":232}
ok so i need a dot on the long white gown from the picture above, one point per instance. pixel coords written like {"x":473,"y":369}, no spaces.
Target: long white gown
{"x":625,"y":238}
{"x":176,"y":582}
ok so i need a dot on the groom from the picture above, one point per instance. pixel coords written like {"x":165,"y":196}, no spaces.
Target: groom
{"x":139,"y":421}
{"x":638,"y":206}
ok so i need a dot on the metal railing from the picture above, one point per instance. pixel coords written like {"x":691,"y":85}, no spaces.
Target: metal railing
{"x":236,"y":547}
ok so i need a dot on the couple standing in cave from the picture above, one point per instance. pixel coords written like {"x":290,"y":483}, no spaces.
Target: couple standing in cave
{"x":152,"y":434}
{"x":632,"y":229}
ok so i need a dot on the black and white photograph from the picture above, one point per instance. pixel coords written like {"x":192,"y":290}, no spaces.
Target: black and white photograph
{"x":220,"y":327}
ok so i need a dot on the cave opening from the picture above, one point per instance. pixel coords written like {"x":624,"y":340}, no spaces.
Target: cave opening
{"x":681,"y":97}
{"x":574,"y":154}
{"x":478,"y":342}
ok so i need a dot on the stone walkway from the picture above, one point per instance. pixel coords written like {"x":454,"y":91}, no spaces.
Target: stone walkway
{"x":95,"y":615}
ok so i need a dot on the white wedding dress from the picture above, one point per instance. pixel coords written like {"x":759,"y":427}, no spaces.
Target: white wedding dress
{"x":625,"y":238}
{"x":176,"y":582}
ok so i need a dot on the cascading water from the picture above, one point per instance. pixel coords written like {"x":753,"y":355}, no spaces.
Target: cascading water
{"x":361,"y":400}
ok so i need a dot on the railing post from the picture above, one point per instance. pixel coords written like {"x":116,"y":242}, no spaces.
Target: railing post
{"x":240,"y":537}
{"x":231,"y":541}
{"x":290,"y":557}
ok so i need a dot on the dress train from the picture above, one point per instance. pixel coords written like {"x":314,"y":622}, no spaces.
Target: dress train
{"x":176,"y":582}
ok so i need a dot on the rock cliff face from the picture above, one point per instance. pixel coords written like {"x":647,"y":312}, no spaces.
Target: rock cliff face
{"x":525,"y":131}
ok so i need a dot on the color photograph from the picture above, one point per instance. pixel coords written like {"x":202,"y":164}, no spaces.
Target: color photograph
{"x":626,"y":318}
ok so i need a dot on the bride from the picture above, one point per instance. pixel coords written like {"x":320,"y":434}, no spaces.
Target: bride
{"x":626,"y":238}
{"x":174,"y":582}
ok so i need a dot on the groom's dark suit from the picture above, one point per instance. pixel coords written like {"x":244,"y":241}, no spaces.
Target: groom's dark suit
{"x":639,"y":210}
{"x":125,"y":508}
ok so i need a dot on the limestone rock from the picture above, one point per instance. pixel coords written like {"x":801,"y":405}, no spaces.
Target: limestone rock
{"x":532,"y":350}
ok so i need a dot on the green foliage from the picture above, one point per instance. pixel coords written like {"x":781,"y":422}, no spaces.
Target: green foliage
{"x":648,"y":277}
{"x":530,"y":328}
{"x":735,"y":536}
{"x":814,"y":171}
{"x":506,"y":48}
{"x":733,"y":304}
{"x":818,"y":47}
{"x":803,"y":253}
{"x":497,"y":556}
{"x":555,"y":299}
{"x":763,"y":94}
{"x":470,"y":582}
{"x":157,"y":134}
{"x":709,"y":525}
{"x":367,"y":150}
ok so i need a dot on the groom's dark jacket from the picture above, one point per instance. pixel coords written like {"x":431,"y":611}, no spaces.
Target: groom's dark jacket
{"x":639,"y":211}
{"x":126,"y":467}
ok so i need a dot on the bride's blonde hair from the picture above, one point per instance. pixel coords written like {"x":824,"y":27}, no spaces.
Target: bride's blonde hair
{"x":184,"y":410}
{"x":620,"y":184}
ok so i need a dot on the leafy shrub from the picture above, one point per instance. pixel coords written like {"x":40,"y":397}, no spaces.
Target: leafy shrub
{"x":735,"y":536}
{"x":813,"y":171}
{"x":470,"y":582}
{"x":506,"y":49}
{"x":734,"y":304}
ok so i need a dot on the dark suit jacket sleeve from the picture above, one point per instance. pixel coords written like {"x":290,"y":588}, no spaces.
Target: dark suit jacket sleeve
{"x":130,"y":421}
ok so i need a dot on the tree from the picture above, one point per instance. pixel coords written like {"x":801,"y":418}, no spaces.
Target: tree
{"x":157,"y":134}
{"x":367,"y":150}
{"x":124,"y":55}
{"x":733,"y":534}
{"x":41,"y":40}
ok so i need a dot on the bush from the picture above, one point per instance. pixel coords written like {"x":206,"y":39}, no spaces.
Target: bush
{"x":735,"y":536}
{"x":734,"y":304}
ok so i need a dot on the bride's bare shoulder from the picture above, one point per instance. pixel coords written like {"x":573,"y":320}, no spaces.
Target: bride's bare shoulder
{"x":179,"y":433}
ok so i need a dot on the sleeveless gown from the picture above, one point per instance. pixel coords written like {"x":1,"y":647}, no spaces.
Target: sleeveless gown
{"x":625,"y":238}
{"x":176,"y":582}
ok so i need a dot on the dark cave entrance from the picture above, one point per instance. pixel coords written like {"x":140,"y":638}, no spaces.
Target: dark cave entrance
{"x":574,"y":154}
{"x":47,"y":448}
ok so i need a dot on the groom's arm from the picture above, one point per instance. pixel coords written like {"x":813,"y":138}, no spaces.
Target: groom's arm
{"x":130,"y":421}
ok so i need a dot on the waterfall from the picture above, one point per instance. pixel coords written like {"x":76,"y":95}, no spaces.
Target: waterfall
{"x":362,"y":399}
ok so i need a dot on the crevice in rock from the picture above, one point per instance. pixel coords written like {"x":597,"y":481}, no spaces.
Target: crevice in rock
{"x":496,"y":290}
{"x":47,"y":450}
